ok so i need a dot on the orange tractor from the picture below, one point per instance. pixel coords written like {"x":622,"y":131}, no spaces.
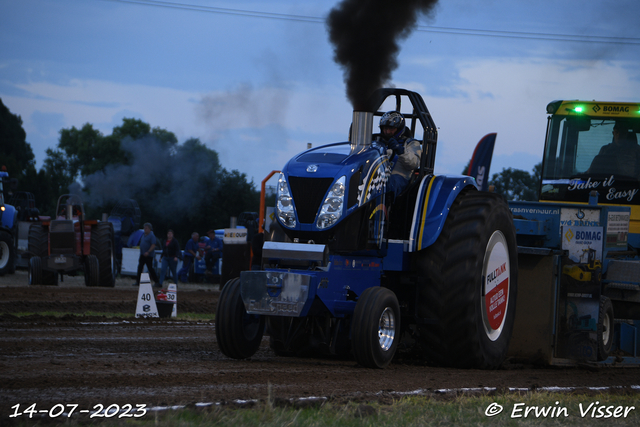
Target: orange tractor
{"x":70,"y":243}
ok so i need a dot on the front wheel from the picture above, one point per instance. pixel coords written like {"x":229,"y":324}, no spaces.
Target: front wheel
{"x":102,"y":249}
{"x":375,"y":331}
{"x":238,"y":333}
{"x":605,"y":328}
{"x":469,"y":284}
{"x":39,"y":248}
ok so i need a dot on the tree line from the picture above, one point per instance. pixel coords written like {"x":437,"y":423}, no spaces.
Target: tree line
{"x":181,"y":186}
{"x":177,"y":186}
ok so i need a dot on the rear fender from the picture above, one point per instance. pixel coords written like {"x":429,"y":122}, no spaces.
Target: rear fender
{"x":435,"y":197}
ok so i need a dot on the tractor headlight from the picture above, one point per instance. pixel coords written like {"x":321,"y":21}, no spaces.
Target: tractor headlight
{"x":284,"y":204}
{"x":332,"y":207}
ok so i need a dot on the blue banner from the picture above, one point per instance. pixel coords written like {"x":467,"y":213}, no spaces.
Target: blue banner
{"x":481,"y":161}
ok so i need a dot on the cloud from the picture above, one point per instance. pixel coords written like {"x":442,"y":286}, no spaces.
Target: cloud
{"x":96,"y":101}
{"x":100,"y":103}
{"x":257,"y":127}
{"x":509,"y":96}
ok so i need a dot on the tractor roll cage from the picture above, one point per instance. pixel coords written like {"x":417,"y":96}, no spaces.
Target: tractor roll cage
{"x":420,"y":113}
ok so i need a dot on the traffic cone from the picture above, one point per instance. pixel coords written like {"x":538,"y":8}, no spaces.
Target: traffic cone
{"x":172,"y":296}
{"x":146,"y":306}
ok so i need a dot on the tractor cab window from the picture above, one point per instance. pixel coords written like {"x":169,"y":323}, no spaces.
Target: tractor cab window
{"x":587,"y":153}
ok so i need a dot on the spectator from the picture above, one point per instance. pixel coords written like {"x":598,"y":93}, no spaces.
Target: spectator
{"x":147,"y":246}
{"x":169,"y":257}
{"x":213,"y":250}
{"x":191,"y":253}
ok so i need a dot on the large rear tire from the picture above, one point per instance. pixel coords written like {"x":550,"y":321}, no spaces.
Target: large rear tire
{"x":468,"y":284}
{"x":7,"y":254}
{"x":375,"y":331}
{"x":91,"y":268}
{"x":39,"y":247}
{"x":35,"y":270}
{"x":238,"y":333}
{"x":102,"y":248}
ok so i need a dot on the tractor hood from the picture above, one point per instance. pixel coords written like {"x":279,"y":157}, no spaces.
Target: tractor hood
{"x":323,"y":161}
{"x":326,"y":184}
{"x":334,"y":156}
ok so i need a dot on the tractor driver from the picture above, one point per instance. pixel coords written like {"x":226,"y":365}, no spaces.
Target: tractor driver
{"x":403,"y":150}
{"x":621,"y":156}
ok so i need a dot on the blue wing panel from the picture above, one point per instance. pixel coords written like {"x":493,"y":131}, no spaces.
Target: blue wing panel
{"x":435,"y":197}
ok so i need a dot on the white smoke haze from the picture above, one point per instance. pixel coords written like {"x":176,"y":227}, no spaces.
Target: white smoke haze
{"x":168,"y":180}
{"x":248,"y":125}
{"x":244,"y":107}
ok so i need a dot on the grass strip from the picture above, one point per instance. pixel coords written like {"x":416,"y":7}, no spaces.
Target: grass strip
{"x":518,"y":409}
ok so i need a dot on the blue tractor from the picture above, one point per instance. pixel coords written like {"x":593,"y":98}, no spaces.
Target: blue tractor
{"x":359,"y":269}
{"x":8,"y":229}
{"x":16,"y":218}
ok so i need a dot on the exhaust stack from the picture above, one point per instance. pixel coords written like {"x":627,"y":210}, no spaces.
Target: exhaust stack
{"x":361,"y":129}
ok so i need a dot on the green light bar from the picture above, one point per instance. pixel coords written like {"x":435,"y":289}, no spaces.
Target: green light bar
{"x":578,"y":109}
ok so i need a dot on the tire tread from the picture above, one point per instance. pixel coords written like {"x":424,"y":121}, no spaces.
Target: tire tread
{"x":453,"y":259}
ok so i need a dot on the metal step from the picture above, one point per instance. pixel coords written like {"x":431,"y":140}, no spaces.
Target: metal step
{"x":623,"y":275}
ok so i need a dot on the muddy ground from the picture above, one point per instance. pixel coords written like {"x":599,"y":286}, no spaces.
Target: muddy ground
{"x":89,"y":360}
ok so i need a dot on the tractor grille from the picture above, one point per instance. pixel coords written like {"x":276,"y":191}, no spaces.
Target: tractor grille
{"x":62,"y":237}
{"x":308,"y":194}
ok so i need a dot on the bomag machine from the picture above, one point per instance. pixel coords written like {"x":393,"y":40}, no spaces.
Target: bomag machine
{"x":579,"y":289}
{"x":364,"y":270}
{"x":70,"y":243}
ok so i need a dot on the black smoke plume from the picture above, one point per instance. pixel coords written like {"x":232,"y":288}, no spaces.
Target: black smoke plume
{"x":365,"y":35}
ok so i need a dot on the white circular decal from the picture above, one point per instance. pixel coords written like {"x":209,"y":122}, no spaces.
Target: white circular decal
{"x":496,"y":286}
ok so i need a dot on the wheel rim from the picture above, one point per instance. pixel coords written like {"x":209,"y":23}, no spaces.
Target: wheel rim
{"x":606,"y":329}
{"x":386,"y":329}
{"x":4,"y":254}
{"x":496,"y":285}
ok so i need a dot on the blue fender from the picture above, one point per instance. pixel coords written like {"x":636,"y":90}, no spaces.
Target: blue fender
{"x":435,"y":197}
{"x":8,"y":217}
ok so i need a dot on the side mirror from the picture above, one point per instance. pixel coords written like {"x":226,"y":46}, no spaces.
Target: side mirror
{"x":580,"y":123}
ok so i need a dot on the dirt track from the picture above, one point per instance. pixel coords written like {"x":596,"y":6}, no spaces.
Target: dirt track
{"x":89,"y":360}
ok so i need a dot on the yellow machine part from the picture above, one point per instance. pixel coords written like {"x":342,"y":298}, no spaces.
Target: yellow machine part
{"x":594,"y":108}
{"x":634,"y":221}
{"x":577,"y":273}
